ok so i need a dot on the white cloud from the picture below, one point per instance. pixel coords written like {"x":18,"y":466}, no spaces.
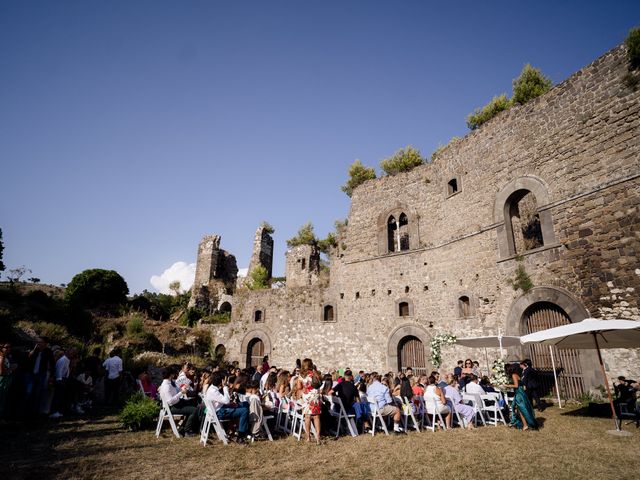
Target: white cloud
{"x":243,"y":272}
{"x":180,"y":271}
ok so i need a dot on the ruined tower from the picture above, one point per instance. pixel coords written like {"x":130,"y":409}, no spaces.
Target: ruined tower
{"x":262,"y":250}
{"x":302,"y":265}
{"x":216,"y":273}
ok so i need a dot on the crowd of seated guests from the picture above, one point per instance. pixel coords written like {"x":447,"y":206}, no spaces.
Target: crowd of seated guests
{"x":245,"y":396}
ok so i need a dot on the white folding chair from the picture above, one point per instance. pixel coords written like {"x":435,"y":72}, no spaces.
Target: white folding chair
{"x":474,"y":400}
{"x":375,"y":415}
{"x":140,"y":387}
{"x":421,"y":411}
{"x":406,"y":409}
{"x":456,"y":415}
{"x":211,"y":418}
{"x":338,"y":411}
{"x":436,"y":418}
{"x":265,"y":426}
{"x":283,"y":420}
{"x":491,"y":408}
{"x":165,"y":414}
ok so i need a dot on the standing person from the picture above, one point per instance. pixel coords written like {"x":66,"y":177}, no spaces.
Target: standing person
{"x":39,"y":369}
{"x":5,"y":374}
{"x":531,"y":383}
{"x":522,"y":416}
{"x":265,"y":364}
{"x":308,"y":385}
{"x":60,"y":392}
{"x":113,"y":367}
{"x":458,"y":370}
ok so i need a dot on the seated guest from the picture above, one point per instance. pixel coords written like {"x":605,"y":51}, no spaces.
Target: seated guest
{"x":441,"y":383}
{"x":283,"y":388}
{"x":348,"y":394}
{"x":379,"y":394}
{"x":225,"y":409}
{"x":625,"y":395}
{"x":485,"y":383}
{"x":418,"y":388}
{"x":434,"y":399}
{"x":148,"y":387}
{"x":476,"y":369}
{"x":472,"y":385}
{"x":455,"y":399}
{"x":174,"y":397}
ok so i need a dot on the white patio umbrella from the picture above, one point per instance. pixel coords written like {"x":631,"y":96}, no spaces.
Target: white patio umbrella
{"x":491,"y":341}
{"x":592,"y":333}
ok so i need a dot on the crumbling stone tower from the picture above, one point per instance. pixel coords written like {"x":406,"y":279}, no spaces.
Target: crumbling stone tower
{"x":262,"y":251}
{"x":216,"y":273}
{"x":302,"y":266}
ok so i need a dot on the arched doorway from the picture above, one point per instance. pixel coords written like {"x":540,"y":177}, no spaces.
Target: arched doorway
{"x":255,"y":352}
{"x":411,"y":355}
{"x":541,"y":316}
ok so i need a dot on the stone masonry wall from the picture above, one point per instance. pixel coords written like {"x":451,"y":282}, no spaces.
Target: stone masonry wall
{"x":576,"y":147}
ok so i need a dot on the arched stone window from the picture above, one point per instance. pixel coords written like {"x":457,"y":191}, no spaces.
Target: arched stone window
{"x":464,"y":306}
{"x":328,"y":313}
{"x":225,"y":307}
{"x":220,"y":351}
{"x":521,"y":207}
{"x":397,"y":230}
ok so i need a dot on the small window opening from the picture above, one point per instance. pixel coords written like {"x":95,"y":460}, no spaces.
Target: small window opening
{"x":388,"y":292}
{"x":373,"y":292}
{"x":257,"y":316}
{"x":403,"y":309}
{"x":328,"y":313}
{"x":341,"y":296}
{"x":452,"y":186}
{"x":406,"y":289}
{"x":357,"y":295}
{"x":465,"y":306}
{"x":303,"y":263}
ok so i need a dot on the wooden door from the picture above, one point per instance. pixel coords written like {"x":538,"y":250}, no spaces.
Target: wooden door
{"x":541,"y":316}
{"x":411,"y":354}
{"x":255,"y":353}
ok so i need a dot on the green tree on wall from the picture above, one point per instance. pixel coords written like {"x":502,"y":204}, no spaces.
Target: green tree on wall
{"x":358,"y":174}
{"x":530,"y":84}
{"x":404,"y":160}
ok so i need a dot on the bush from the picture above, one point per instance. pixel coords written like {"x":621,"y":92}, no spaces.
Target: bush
{"x":57,"y":334}
{"x":267,"y":227}
{"x":97,"y":288}
{"x":191,"y":316}
{"x":325,"y":245}
{"x":259,"y":278}
{"x":135,"y":326}
{"x":403,"y":160}
{"x":305,"y":236}
{"x":490,"y":110}
{"x":633,"y":47}
{"x":139,"y":412}
{"x":358,"y":174}
{"x":221,"y":317}
{"x":530,"y":84}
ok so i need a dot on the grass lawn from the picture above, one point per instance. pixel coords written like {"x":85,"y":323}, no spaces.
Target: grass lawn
{"x":568,"y":446}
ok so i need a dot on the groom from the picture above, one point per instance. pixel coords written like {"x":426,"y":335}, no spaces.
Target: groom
{"x":531,"y":383}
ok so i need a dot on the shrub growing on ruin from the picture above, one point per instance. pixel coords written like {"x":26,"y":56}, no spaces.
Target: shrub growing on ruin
{"x":404,"y":160}
{"x":633,"y":47}
{"x":258,"y":278}
{"x":135,"y":326}
{"x":490,"y":110}
{"x":358,"y":174}
{"x":326,"y":244}
{"x":530,"y":84}
{"x":305,"y":236}
{"x":267,"y":227}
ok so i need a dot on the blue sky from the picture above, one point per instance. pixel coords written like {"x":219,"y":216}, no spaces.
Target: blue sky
{"x":130,"y":129}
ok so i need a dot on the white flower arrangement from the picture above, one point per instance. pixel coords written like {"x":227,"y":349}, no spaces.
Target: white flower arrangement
{"x":498,"y":374}
{"x":436,"y":347}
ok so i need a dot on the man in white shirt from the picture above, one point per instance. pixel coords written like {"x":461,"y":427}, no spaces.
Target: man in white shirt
{"x":113,"y":367}
{"x":62,"y":376}
{"x":218,"y":395}
{"x":473,"y":386}
{"x":172,"y":395}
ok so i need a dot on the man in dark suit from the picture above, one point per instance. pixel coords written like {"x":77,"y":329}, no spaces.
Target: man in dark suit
{"x":531,"y":383}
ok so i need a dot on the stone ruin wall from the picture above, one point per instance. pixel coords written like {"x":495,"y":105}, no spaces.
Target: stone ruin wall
{"x":579,"y":143}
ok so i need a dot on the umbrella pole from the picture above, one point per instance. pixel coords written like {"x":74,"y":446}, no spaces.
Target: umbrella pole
{"x":606,"y":382}
{"x":555,"y":375}
{"x":486,"y":359}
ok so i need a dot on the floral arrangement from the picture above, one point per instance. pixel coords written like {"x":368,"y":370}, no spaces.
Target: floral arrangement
{"x":498,"y":374}
{"x":436,"y":347}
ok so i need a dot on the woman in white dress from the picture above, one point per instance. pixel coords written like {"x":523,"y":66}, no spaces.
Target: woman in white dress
{"x":433,"y":395}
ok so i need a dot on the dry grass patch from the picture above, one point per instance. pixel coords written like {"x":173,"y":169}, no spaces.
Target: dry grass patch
{"x":567,"y":447}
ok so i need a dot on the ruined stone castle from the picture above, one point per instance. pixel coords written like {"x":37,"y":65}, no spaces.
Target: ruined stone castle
{"x":548,"y":191}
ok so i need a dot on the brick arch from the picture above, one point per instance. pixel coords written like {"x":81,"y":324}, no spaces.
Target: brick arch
{"x":501,"y":211}
{"x":396,"y":337}
{"x":396,"y":210}
{"x":257,"y":333}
